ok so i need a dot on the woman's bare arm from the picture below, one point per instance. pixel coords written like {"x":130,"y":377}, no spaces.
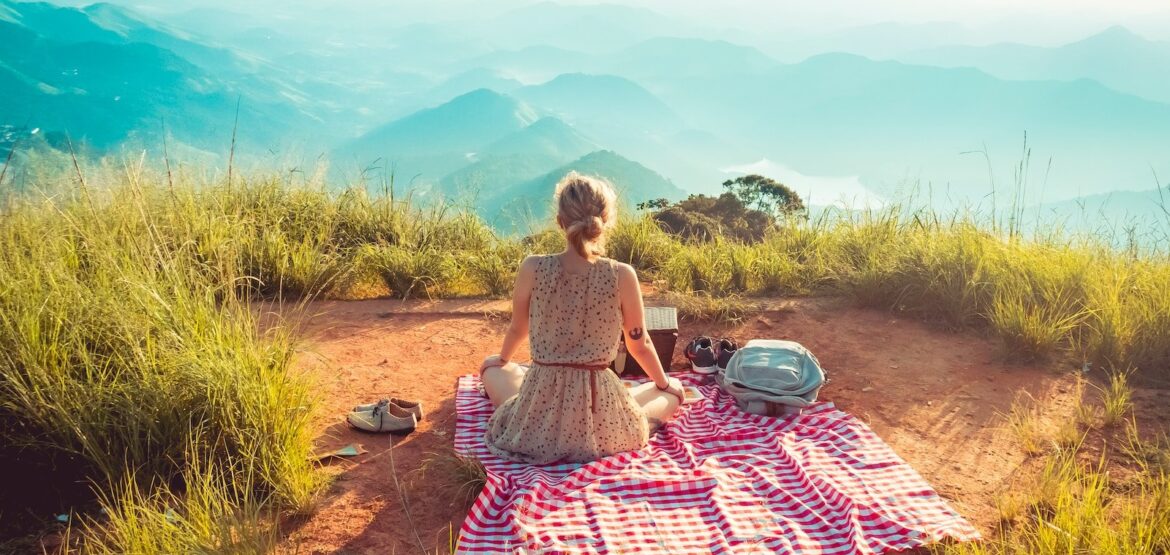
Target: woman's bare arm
{"x":521,"y":297}
{"x":634,"y":326}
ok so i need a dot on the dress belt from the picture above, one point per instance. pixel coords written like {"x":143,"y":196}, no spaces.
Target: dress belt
{"x":592,"y":377}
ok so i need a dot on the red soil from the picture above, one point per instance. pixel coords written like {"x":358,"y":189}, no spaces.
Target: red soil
{"x":936,"y":397}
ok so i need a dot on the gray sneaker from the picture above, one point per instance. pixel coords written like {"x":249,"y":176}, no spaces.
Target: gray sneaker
{"x":727,"y":347}
{"x":701,"y":352}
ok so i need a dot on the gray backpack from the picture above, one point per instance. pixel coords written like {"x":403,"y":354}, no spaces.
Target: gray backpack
{"x":772,"y":377}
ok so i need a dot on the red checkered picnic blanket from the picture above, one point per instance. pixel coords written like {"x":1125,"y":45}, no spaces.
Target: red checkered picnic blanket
{"x":713,"y":480}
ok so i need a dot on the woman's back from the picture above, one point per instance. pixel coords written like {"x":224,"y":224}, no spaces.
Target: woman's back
{"x":575,"y":316}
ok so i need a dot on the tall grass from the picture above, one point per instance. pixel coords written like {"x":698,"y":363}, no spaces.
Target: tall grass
{"x":1038,"y":296}
{"x":1074,"y":507}
{"x":1112,"y":504}
{"x":129,"y":351}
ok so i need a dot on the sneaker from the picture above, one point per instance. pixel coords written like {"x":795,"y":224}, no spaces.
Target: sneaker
{"x":370,"y":406}
{"x":701,"y":352}
{"x":726,"y":347}
{"x":411,"y":406}
{"x":384,"y":417}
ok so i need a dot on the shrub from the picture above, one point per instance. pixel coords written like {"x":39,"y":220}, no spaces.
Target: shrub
{"x":279,"y":265}
{"x":409,"y":272}
{"x":640,"y":243}
{"x":494,"y":270}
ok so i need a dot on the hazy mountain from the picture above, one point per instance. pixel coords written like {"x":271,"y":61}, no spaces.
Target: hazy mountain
{"x":643,"y":62}
{"x":878,"y":40}
{"x":528,"y":204}
{"x":675,"y":96}
{"x":581,"y":99}
{"x":624,"y":117}
{"x":521,"y":156}
{"x":583,"y":27}
{"x":421,"y":95}
{"x":671,"y":57}
{"x":548,"y":137}
{"x":479,"y":78}
{"x":132,"y":27}
{"x":887,"y":121}
{"x":1116,"y":57}
{"x":106,"y":74}
{"x":434,"y":142}
{"x":106,"y":89}
{"x":1126,"y":216}
{"x":532,"y":63}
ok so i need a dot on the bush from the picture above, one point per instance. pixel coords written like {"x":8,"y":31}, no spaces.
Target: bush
{"x":279,"y":265}
{"x":703,"y":218}
{"x":640,"y":243}
{"x":411,"y":272}
{"x":494,"y":270}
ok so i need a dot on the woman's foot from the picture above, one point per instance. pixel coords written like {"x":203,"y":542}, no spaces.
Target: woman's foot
{"x":500,"y":383}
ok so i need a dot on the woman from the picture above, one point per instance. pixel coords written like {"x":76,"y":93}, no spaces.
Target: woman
{"x":574,"y":307}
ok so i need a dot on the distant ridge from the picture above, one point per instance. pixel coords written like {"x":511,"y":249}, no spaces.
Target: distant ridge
{"x":439,"y":140}
{"x":590,"y":97}
{"x":678,"y":56}
{"x":1116,"y":57}
{"x":548,"y":136}
{"x":520,"y":156}
{"x":471,"y":80}
{"x":530,"y":202}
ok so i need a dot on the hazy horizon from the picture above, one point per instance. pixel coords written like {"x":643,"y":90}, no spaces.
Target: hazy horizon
{"x":1040,"y":22}
{"x":845,"y":100}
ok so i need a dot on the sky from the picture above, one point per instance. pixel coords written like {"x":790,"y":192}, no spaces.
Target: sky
{"x":1034,"y":21}
{"x":1029,"y":21}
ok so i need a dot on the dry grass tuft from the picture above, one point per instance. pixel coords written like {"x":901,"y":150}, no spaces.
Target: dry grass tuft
{"x":461,"y":477}
{"x":701,"y":307}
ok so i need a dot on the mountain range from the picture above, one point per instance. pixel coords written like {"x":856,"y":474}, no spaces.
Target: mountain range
{"x":1117,"y":58}
{"x":492,"y":110}
{"x":498,"y":152}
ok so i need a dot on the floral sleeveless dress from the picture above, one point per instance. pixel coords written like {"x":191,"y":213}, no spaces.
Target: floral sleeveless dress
{"x":562,"y":413}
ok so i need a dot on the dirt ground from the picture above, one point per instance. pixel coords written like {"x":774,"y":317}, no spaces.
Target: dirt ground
{"x":936,"y":397}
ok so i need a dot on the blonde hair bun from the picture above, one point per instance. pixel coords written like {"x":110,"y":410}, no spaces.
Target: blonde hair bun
{"x":586,"y":207}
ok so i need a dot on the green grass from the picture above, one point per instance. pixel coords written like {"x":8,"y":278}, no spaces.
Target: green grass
{"x":129,"y":351}
{"x":1023,"y":421}
{"x":1076,"y":507}
{"x":701,"y":307}
{"x":1040,"y":297}
{"x":1109,"y":505}
{"x":1116,"y":399}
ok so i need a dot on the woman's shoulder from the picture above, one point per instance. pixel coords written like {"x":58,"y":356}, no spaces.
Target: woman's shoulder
{"x":620,"y":269}
{"x":533,"y":261}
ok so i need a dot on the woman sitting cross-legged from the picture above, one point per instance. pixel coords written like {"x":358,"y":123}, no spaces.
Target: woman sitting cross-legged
{"x":574,"y":307}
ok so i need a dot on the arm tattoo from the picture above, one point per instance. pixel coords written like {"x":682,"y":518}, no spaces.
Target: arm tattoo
{"x":636,"y":334}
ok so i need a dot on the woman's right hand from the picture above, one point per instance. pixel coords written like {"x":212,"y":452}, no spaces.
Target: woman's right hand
{"x":491,"y":361}
{"x":674,"y":386}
